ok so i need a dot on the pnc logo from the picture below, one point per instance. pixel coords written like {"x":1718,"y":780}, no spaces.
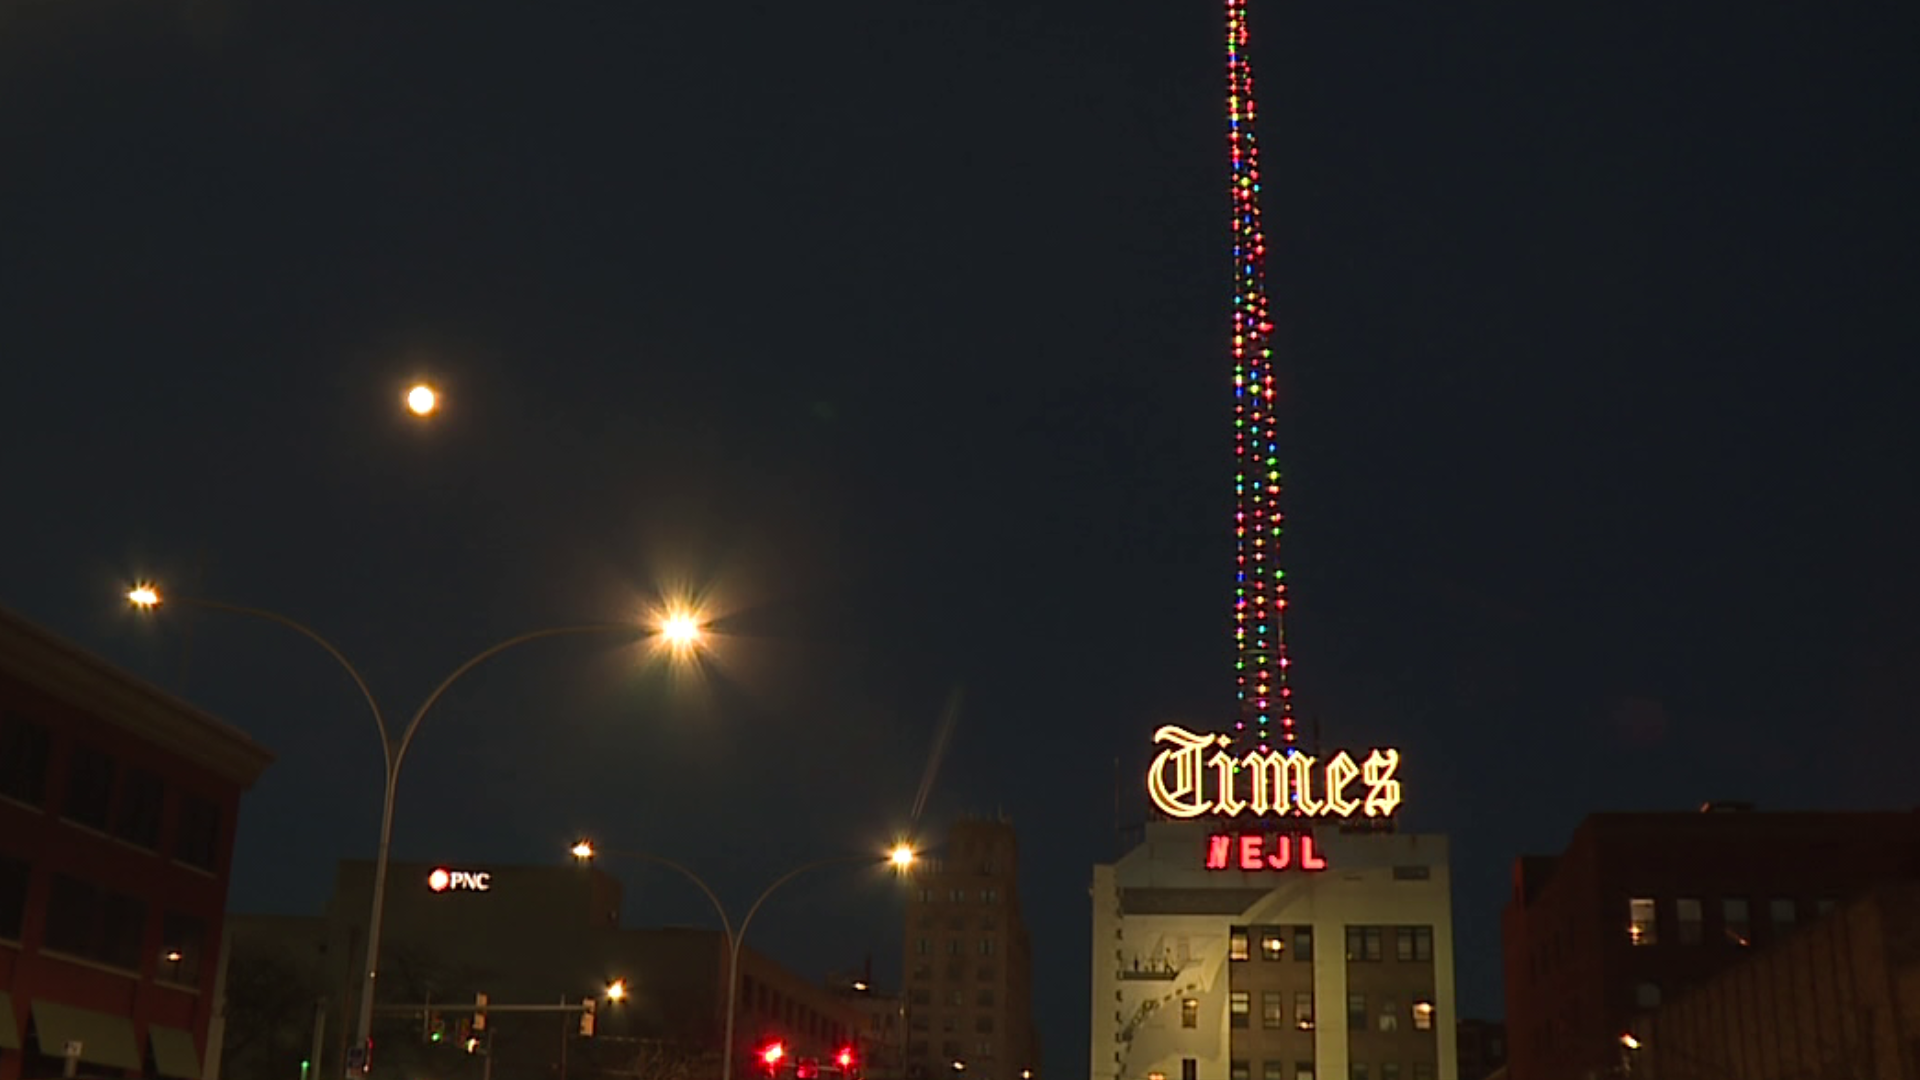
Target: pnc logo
{"x":445,"y":880}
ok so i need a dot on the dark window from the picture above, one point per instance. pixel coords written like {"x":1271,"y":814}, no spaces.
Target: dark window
{"x":984,"y":999}
{"x":983,"y":1025}
{"x":1423,"y":1070}
{"x":1389,"y":1070}
{"x":1356,"y":1012}
{"x":197,"y":840}
{"x":23,"y":760}
{"x":1303,"y":943}
{"x":123,"y":930}
{"x":1356,"y":1070}
{"x":14,"y":875}
{"x":1411,"y":873}
{"x":1238,"y":1070}
{"x":919,"y":996}
{"x":137,"y":820}
{"x":73,"y":916}
{"x":1189,"y":1069}
{"x":89,"y":787}
{"x":1413,"y":943}
{"x":1273,"y":1010}
{"x":1363,"y":943}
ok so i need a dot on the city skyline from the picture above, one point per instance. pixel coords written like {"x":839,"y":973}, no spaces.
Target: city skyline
{"x":1595,"y":470}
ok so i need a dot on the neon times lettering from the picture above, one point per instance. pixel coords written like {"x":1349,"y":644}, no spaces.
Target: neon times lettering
{"x":1186,"y":781}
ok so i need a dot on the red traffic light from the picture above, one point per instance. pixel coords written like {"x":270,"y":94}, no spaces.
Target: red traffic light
{"x":845,"y":1057}
{"x":773,"y":1052}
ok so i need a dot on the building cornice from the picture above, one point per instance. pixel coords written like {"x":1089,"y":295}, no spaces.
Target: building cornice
{"x":63,"y":670}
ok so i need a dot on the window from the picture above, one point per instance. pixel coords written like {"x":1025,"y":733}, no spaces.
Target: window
{"x":1646,"y":995}
{"x":1423,"y":1070}
{"x":919,"y":995}
{"x":983,"y":1025}
{"x":956,"y":996}
{"x":919,"y":1023}
{"x":1237,"y":943}
{"x":953,"y":946}
{"x":1303,"y":1070}
{"x":985,"y":974}
{"x":984,"y":1048}
{"x":24,"y":746}
{"x":1303,"y":1009}
{"x":1363,"y":943}
{"x":138,"y":818}
{"x":1781,"y":913}
{"x":1272,"y":1010}
{"x":1389,"y":1070}
{"x":988,"y":922}
{"x":196,"y":841}
{"x":89,"y":787}
{"x":1273,"y":1070}
{"x":1642,"y":923}
{"x":1303,"y":943}
{"x":1687,"y":917}
{"x":984,"y":999}
{"x":986,"y":946}
{"x":182,"y":948}
{"x":1822,"y":907}
{"x":1413,"y":944}
{"x":1272,"y":945}
{"x":14,"y":875}
{"x":922,"y":972}
{"x":1356,"y":1012}
{"x":1423,"y":1016}
{"x":1735,"y":920}
{"x":85,"y":921}
{"x":949,"y":1025}
{"x":1356,"y":1070}
{"x":958,"y":896}
{"x":1238,"y":1070}
{"x":926,"y":896}
{"x":1238,"y":1005}
{"x":922,"y":946}
{"x":1389,"y":1016}
{"x":1189,"y":1069}
{"x":989,"y":896}
{"x":1190,"y":1013}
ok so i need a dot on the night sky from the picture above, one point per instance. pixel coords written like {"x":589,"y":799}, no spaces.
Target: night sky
{"x":897,"y":331}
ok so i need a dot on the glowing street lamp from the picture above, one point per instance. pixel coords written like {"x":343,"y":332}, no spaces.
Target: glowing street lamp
{"x":617,"y":990}
{"x":147,"y":596}
{"x":422,"y":399}
{"x":1627,"y":1040}
{"x":681,"y":630}
{"x":583,"y":850}
{"x":901,"y":856}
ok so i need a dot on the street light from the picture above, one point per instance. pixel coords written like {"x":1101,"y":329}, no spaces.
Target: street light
{"x":147,"y":596}
{"x":617,"y":990}
{"x":901,"y":857}
{"x":422,"y":399}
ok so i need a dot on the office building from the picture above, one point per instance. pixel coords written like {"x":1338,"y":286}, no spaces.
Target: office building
{"x":1642,"y":906}
{"x":1334,"y":961}
{"x":117,"y":812}
{"x":969,"y":962}
{"x":1481,"y":1048}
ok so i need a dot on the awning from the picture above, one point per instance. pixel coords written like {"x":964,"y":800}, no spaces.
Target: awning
{"x":173,"y":1052}
{"x":9,"y":1031}
{"x":104,"y":1039}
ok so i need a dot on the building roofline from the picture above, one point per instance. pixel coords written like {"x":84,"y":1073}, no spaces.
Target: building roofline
{"x":48,"y":662}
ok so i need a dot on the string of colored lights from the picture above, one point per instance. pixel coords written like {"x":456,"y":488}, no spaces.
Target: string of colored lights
{"x":1260,"y":587}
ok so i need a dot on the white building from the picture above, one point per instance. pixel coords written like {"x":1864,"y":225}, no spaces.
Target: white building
{"x":1291,"y":973}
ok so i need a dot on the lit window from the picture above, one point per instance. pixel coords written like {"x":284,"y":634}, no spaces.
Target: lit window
{"x":1423,"y":1016}
{"x":1156,"y":1076}
{"x":1303,"y":1070}
{"x":1303,"y":1010}
{"x":1642,"y":928}
{"x":1190,"y":1013}
{"x":1687,"y":914}
{"x":1272,"y":945}
{"x":1736,"y":921}
{"x":1238,"y":1070}
{"x":1273,"y":1070}
{"x":1783,"y":914}
{"x":1239,"y":1005}
{"x":1646,"y":995}
{"x":1272,"y":1013}
{"x":1237,"y":943}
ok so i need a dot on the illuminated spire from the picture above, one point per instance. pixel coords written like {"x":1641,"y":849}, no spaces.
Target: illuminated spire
{"x":1260,"y":587}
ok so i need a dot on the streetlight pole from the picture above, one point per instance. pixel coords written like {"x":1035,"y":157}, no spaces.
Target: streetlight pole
{"x":901,"y":856}
{"x":683,"y":629}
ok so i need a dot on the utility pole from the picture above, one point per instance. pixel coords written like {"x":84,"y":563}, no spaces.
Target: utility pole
{"x":564,"y":1018}
{"x":319,"y":1036}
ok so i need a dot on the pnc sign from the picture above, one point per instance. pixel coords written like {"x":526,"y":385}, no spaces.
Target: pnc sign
{"x":445,"y":880}
{"x":1185,"y":781}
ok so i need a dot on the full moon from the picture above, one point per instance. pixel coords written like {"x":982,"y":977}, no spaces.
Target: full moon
{"x":422,"y":400}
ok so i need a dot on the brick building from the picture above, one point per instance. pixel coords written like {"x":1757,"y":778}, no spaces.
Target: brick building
{"x":1839,"y":998}
{"x":1642,"y":906}
{"x":1481,"y":1048}
{"x":117,"y":810}
{"x":969,"y":962}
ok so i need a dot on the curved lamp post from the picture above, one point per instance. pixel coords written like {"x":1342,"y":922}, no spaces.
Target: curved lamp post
{"x":901,"y":857}
{"x":681,"y":630}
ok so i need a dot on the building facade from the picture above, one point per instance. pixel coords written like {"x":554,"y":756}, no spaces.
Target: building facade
{"x":1480,"y":1047}
{"x":1839,"y":999}
{"x":969,"y":961}
{"x":539,"y":942}
{"x":1642,"y":906}
{"x":117,"y":811}
{"x":1339,"y":965}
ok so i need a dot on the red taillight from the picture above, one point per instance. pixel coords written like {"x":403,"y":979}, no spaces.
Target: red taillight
{"x":845,"y":1057}
{"x":773,"y":1053}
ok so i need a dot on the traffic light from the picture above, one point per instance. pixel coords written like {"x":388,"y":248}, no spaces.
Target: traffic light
{"x":436,"y":1027}
{"x":479,"y":1012}
{"x":586,"y":1015}
{"x":772,"y":1053}
{"x":844,"y":1058}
